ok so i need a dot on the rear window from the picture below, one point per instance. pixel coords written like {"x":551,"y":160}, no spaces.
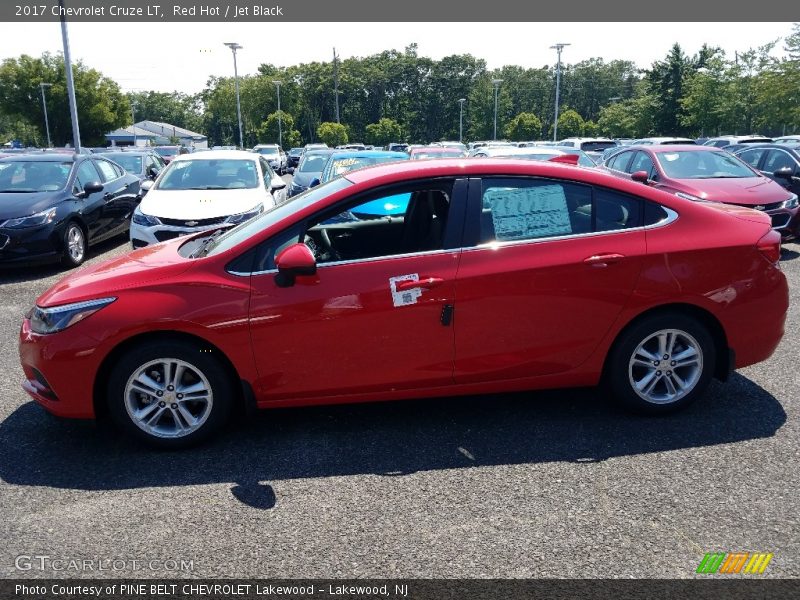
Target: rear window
{"x":597,"y":146}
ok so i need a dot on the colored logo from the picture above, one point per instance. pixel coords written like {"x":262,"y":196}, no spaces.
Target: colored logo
{"x":754,"y":563}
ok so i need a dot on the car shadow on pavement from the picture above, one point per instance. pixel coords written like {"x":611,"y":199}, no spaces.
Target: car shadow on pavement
{"x":787,"y":254}
{"x":22,"y":273}
{"x":391,"y":439}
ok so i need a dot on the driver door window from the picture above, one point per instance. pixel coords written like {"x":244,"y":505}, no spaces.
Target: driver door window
{"x":403,"y":221}
{"x":86,"y":174}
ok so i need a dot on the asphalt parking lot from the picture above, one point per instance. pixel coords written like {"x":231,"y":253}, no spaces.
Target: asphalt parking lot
{"x":551,"y":484}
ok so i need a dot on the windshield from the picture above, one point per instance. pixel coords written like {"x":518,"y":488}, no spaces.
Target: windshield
{"x":167,"y":151}
{"x":313,"y":163}
{"x":295,"y":152}
{"x":597,"y":146}
{"x":340,"y":166}
{"x":215,"y":174}
{"x":695,"y":164}
{"x":268,"y":152}
{"x":131,"y":163}
{"x":33,"y":176}
{"x":242,"y":232}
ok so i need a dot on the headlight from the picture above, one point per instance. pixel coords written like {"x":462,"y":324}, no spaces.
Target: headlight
{"x":242,"y":217}
{"x":146,"y":220}
{"x":58,"y":318}
{"x":791,"y":202}
{"x":688,"y":197}
{"x":42,"y":218}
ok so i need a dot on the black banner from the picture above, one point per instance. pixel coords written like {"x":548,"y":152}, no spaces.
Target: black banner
{"x":727,"y":588}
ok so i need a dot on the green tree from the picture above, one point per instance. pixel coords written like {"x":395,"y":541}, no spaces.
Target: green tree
{"x":333,"y":134}
{"x":175,"y":108}
{"x":101,"y":105}
{"x":383,"y":132}
{"x":525,"y":126}
{"x":267,"y":133}
{"x":570,"y":124}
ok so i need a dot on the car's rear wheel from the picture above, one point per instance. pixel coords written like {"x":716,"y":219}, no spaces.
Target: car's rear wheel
{"x":661,"y":364}
{"x":171,"y":394}
{"x":74,"y":245}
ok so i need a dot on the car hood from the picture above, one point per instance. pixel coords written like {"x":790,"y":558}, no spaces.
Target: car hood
{"x":138,"y":268}
{"x":751,"y":191}
{"x":14,"y":205}
{"x":202,"y":204}
{"x":305,"y":179}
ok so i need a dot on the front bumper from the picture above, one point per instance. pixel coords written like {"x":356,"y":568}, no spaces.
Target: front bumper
{"x":31,"y":245}
{"x":50,"y":363}
{"x":786,"y":221}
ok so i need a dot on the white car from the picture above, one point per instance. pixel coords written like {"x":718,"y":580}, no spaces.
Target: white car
{"x":197,"y":192}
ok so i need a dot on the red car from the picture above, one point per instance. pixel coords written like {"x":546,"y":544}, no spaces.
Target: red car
{"x":711,"y":174}
{"x":502,"y":275}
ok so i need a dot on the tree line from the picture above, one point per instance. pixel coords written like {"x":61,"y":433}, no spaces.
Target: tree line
{"x":401,"y":96}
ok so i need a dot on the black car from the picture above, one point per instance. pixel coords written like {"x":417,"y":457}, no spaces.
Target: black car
{"x":310,"y":168}
{"x":294,"y":156}
{"x":145,"y":164}
{"x":53,"y":206}
{"x":777,"y":161}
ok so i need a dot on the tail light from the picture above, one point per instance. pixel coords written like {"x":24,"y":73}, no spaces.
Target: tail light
{"x":770,"y":246}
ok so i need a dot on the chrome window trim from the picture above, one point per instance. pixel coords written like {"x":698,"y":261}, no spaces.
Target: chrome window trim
{"x":672,"y":216}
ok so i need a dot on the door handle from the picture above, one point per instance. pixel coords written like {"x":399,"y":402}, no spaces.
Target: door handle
{"x":425,"y":283}
{"x":603,"y":260}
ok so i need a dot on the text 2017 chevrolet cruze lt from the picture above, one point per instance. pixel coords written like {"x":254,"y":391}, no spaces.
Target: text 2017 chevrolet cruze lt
{"x":501,"y":275}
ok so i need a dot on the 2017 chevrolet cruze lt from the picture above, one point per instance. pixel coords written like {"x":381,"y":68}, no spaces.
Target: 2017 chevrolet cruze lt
{"x":501,"y":275}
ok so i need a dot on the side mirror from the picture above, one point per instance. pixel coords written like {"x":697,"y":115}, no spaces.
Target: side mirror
{"x":277,"y":184}
{"x":91,"y":188}
{"x":314,"y":182}
{"x":640,"y":176}
{"x":290,"y":170}
{"x":145,"y":186}
{"x":294,"y":261}
{"x":153,"y":172}
{"x":784,"y":173}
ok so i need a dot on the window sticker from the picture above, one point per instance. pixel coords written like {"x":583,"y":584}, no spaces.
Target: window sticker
{"x":404,"y":297}
{"x":529,"y":212}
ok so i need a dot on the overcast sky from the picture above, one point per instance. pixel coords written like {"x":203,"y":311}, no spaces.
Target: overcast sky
{"x":181,"y":56}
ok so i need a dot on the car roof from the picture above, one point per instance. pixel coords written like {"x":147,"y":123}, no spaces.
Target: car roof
{"x":663,"y":149}
{"x":217,"y":155}
{"x":771,"y":145}
{"x":59,"y":157}
{"x":459,"y":167}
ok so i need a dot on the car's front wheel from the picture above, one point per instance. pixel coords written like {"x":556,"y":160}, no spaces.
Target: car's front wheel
{"x":75,"y":245}
{"x":661,"y":364}
{"x":170,"y":394}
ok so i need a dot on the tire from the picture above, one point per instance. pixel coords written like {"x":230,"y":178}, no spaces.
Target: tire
{"x":75,"y":246}
{"x":145,"y":401}
{"x":638,"y":375}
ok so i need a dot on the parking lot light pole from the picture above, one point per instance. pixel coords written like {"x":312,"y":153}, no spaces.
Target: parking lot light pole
{"x":44,"y":106}
{"x":234,"y":47}
{"x":558,"y":48}
{"x":280,"y":116}
{"x":73,"y":105}
{"x":461,"y":119}
{"x":496,"y":83}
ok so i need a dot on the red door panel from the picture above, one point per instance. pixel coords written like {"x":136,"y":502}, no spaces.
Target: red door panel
{"x":340,"y":332}
{"x":537,"y":308}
